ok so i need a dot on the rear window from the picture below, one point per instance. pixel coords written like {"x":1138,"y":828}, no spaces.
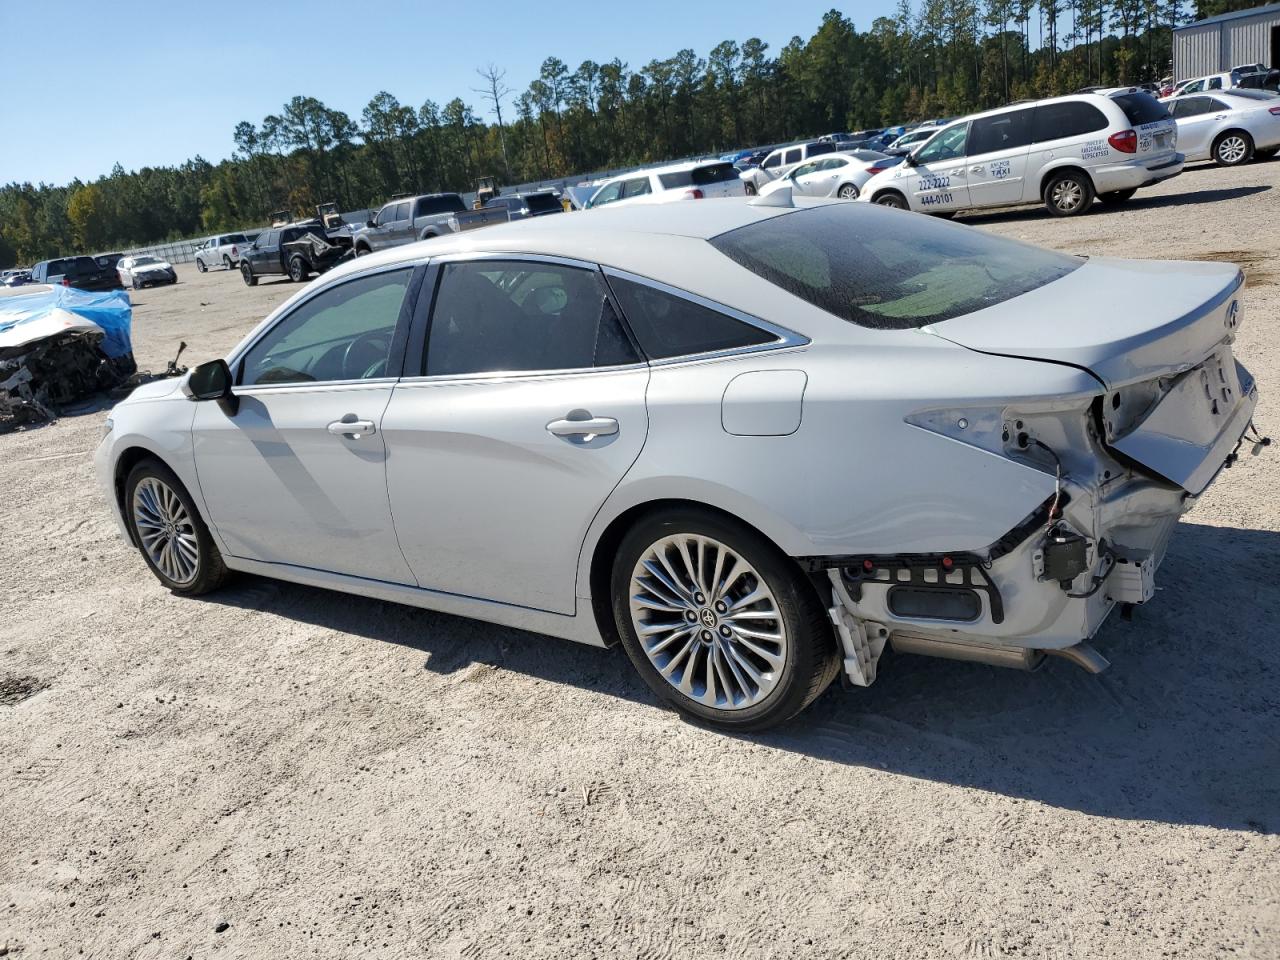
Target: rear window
{"x":699,"y":176}
{"x":1141,"y":108}
{"x":1070,"y":118}
{"x":429,"y":206}
{"x":541,"y":202}
{"x":881,"y":269}
{"x":234,"y":238}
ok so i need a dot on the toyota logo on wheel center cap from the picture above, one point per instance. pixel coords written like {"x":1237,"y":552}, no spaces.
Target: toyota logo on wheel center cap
{"x":708,"y":618}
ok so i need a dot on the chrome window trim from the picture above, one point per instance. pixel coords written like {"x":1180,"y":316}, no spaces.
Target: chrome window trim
{"x":239,"y":354}
{"x":786,"y":338}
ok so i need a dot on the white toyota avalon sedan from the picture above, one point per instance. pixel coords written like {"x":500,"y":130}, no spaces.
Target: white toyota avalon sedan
{"x":754,"y":442}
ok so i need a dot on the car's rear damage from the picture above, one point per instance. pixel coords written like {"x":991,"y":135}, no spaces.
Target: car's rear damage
{"x":1127,"y":462}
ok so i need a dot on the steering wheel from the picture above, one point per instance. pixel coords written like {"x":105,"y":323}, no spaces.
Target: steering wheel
{"x":366,"y":356}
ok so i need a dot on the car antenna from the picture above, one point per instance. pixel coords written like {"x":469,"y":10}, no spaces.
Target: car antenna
{"x":774,"y":198}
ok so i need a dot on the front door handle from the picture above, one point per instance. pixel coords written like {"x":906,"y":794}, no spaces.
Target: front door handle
{"x":351,"y":428}
{"x":581,"y":427}
{"x":977,"y":169}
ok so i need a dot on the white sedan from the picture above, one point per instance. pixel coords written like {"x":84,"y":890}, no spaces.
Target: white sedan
{"x":145,"y":271}
{"x":1229,"y":127}
{"x":754,"y":442}
{"x":840,"y":175}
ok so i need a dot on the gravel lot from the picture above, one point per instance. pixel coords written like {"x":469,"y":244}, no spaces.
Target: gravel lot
{"x":273,"y":771}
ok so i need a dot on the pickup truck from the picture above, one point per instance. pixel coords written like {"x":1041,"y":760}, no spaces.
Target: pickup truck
{"x":296,"y":250}
{"x":220,"y":251}
{"x":409,"y":219}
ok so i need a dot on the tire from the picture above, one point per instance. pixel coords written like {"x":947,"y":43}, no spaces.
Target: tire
{"x":750,"y":188}
{"x":804,"y":651}
{"x":200,"y":265}
{"x":246,"y":274}
{"x":1117,"y":196}
{"x":298,"y":270}
{"x":1232,"y":148}
{"x":226,"y":262}
{"x":848,"y":191}
{"x":892,"y":198}
{"x":1068,"y":193}
{"x":135,"y":284}
{"x":169,"y":532}
{"x":363,"y":251}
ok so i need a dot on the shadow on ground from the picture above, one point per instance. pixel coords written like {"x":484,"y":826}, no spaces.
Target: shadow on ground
{"x":1139,"y":202}
{"x":1182,"y":729}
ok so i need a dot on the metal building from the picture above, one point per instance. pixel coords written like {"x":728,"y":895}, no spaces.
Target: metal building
{"x":1220,"y":43}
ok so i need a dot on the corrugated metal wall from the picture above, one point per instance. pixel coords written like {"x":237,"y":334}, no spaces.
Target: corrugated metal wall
{"x":1248,"y":40}
{"x":1215,"y":47}
{"x":1196,"y":51}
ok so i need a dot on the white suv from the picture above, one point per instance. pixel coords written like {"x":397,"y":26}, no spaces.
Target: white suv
{"x":1062,"y":152}
{"x":691,"y":180}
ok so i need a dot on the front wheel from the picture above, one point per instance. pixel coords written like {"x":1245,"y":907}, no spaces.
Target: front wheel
{"x":718,"y":622}
{"x":362,"y":251}
{"x":1068,"y":193}
{"x":1233,"y":148}
{"x":168,"y":530}
{"x":200,"y":265}
{"x":1117,"y":196}
{"x":892,"y":198}
{"x":848,"y":192}
{"x":246,"y":274}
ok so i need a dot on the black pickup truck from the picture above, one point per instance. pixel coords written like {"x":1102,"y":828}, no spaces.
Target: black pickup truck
{"x":296,"y":250}
{"x":83,"y":273}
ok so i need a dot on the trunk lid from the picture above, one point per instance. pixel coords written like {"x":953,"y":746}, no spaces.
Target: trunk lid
{"x":1124,"y":321}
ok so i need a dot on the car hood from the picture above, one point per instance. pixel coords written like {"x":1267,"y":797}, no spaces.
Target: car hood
{"x":1122,"y":320}
{"x":153,"y":268}
{"x":156,"y":389}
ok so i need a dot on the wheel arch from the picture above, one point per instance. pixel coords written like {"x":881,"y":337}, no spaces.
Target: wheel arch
{"x":1064,"y":167}
{"x":1218,"y":137}
{"x":599,"y":566}
{"x":884,"y":192}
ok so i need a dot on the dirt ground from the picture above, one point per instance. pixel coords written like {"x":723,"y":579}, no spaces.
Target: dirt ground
{"x":274,"y":771}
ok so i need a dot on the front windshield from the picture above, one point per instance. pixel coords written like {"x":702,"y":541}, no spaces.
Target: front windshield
{"x":143,"y":261}
{"x":887,"y":270}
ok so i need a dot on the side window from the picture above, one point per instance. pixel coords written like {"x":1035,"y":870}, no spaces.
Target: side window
{"x":606,"y":194}
{"x":269,"y":239}
{"x":1004,"y":131}
{"x":402,"y":211}
{"x":793,"y":156}
{"x":385,"y":215}
{"x":511,"y":315}
{"x":805,"y":168}
{"x":670,"y":326}
{"x":771,"y":161}
{"x":636,"y":188}
{"x":1071,"y":118}
{"x":1193,"y":107}
{"x":1216,"y":105}
{"x":344,"y":333}
{"x":1215,"y":83}
{"x":947,"y":145}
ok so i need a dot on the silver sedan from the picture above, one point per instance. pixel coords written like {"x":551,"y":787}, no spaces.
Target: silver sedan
{"x":753,"y":441}
{"x":1229,"y":127}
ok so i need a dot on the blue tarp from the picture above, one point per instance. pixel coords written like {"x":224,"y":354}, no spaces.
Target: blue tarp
{"x":110,"y":310}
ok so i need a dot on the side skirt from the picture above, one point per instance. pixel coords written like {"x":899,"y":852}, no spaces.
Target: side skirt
{"x":581,"y":629}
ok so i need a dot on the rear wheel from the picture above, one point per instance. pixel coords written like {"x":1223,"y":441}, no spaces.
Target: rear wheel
{"x":1068,"y":193}
{"x":1117,"y":196}
{"x":168,"y":530}
{"x":362,"y":251}
{"x":1233,"y":148}
{"x":718,"y":623}
{"x":226,"y":261}
{"x":848,"y":192}
{"x":297,"y":269}
{"x":246,"y":274}
{"x":891,"y":198}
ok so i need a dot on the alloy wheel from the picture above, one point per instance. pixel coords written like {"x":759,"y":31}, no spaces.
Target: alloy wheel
{"x":708,"y":622}
{"x":165,"y":530}
{"x":1067,"y":195}
{"x":1232,"y":149}
{"x":848,"y":192}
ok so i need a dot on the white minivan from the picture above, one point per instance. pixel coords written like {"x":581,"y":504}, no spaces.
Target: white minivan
{"x":691,"y":180}
{"x":1063,"y":152}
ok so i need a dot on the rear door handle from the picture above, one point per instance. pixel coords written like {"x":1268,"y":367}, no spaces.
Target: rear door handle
{"x":977,"y":169}
{"x":351,"y":428}
{"x":580,"y":427}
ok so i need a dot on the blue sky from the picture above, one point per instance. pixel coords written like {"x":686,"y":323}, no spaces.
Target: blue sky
{"x":87,"y":84}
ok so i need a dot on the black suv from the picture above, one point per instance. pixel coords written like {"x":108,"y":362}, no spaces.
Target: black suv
{"x":84,"y":273}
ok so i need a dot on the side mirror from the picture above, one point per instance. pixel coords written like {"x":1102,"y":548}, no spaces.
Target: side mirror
{"x":212,"y":381}
{"x":909,"y":160}
{"x":370,"y":223}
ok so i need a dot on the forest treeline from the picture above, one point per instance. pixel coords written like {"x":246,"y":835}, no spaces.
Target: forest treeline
{"x":932,"y":58}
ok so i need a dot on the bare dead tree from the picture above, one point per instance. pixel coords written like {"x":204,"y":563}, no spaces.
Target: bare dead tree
{"x":495,"y":91}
